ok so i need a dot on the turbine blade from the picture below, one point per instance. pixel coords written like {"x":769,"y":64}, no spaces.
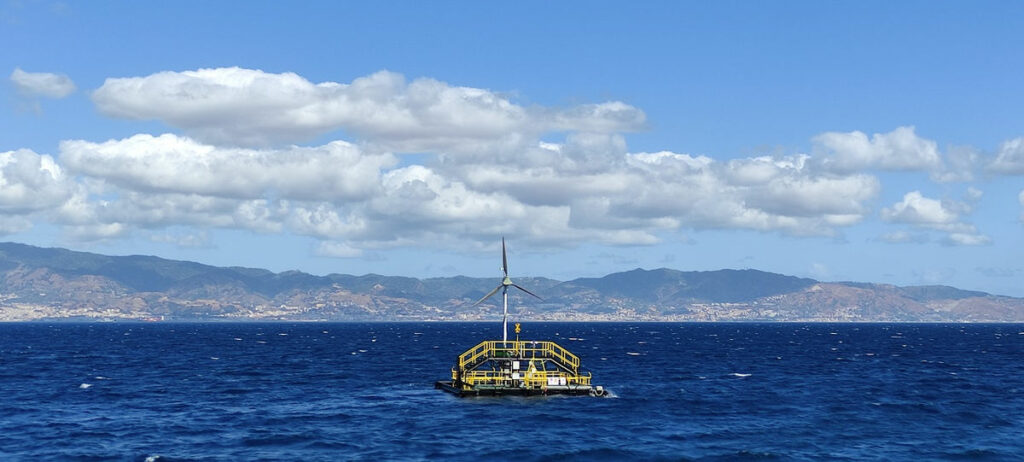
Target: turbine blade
{"x":504,"y":259}
{"x":488,"y":295}
{"x":527,"y":291}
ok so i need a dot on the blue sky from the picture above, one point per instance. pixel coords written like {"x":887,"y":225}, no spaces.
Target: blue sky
{"x":866,"y":141}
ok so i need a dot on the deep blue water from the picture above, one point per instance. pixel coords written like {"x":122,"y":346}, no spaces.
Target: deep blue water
{"x":365,"y":391}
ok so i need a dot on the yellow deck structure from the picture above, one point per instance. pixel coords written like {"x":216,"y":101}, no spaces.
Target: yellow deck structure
{"x":518,"y":367}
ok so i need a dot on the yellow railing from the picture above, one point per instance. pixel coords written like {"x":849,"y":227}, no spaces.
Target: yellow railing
{"x":534,"y":379}
{"x":522,"y":349}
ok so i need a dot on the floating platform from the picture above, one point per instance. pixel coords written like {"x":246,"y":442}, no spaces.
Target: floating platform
{"x":518,"y":368}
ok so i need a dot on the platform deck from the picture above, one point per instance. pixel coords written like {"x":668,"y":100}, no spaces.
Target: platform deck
{"x":480,"y":390}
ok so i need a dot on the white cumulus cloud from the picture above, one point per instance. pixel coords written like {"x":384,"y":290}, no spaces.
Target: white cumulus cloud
{"x":919,"y":210}
{"x":669,"y":191}
{"x":133,"y":210}
{"x":943,"y":215}
{"x":43,"y":84}
{"x":900,"y":149}
{"x":252,"y":107}
{"x":174,"y":164}
{"x":33,"y":187}
{"x":764,"y":193}
{"x":1010,"y":158}
{"x":31,"y":182}
{"x":587,"y":188}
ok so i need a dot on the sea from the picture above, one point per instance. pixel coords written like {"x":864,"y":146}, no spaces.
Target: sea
{"x":365,"y":391}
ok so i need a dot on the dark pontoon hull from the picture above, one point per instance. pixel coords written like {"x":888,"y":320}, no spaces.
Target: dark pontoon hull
{"x":481,"y":390}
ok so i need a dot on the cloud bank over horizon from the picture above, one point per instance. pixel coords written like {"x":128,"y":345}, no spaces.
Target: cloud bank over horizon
{"x":422,"y":161}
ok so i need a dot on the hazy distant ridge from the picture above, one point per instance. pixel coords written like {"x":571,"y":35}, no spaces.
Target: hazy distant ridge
{"x":44,"y":283}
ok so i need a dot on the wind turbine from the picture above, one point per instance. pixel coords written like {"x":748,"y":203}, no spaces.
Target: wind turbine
{"x":503,"y":287}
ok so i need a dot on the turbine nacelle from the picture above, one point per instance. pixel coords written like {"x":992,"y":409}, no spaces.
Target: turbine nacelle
{"x":506,"y":282}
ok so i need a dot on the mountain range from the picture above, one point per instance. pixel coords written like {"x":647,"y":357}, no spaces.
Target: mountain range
{"x":58,"y":284}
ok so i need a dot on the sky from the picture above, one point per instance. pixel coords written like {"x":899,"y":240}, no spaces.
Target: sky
{"x":842,"y":141}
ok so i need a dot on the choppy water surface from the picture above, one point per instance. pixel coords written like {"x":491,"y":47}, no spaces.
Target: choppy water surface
{"x":365,"y":391}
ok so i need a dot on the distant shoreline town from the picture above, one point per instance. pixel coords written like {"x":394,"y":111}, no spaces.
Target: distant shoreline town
{"x":48,"y":284}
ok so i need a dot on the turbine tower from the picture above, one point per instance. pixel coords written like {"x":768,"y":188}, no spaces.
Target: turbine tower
{"x":503,"y":287}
